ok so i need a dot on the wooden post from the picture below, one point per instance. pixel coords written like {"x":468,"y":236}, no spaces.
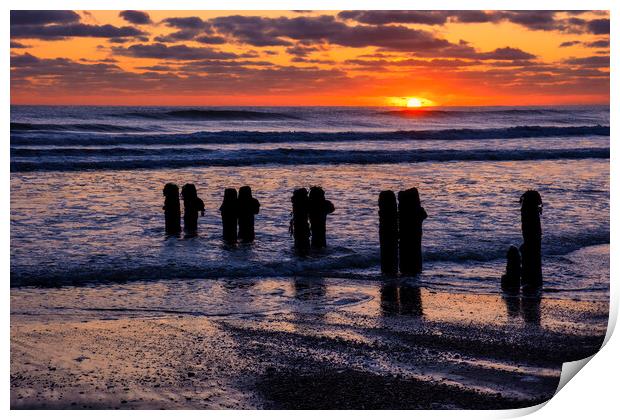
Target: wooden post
{"x":172,"y":209}
{"x":411,"y":214}
{"x":191,"y":205}
{"x":511,"y":280}
{"x":300,"y":229}
{"x":229,"y":211}
{"x":388,"y":232}
{"x":318,"y":209}
{"x":248,"y":207}
{"x":531,"y":208}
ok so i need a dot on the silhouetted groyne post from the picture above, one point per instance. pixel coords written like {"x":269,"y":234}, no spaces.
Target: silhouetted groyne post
{"x":511,"y":280}
{"x":172,"y":208}
{"x":228,"y":209}
{"x":300,"y":229}
{"x":388,"y":232}
{"x":248,"y":207}
{"x":411,"y":214}
{"x":318,"y":209}
{"x":531,"y":208}
{"x":191,"y":206}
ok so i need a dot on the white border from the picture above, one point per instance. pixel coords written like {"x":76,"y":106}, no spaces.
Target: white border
{"x":592,"y":394}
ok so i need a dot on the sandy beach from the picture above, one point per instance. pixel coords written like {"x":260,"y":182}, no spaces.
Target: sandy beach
{"x":292,"y":344}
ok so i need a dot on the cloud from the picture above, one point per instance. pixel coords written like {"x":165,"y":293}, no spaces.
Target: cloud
{"x":15,"y":44}
{"x":535,"y":19}
{"x":300,"y":50}
{"x":104,"y":60}
{"x":260,"y":31}
{"x":311,"y":60}
{"x":174,"y":52}
{"x":43,"y":17}
{"x":51,"y":32}
{"x":412,"y":62}
{"x":602,"y":43}
{"x":595,"y":61}
{"x":598,"y":26}
{"x":60,"y":75}
{"x":506,"y":53}
{"x":184,"y":35}
{"x":156,"y":68}
{"x":185,"y":22}
{"x":253,"y":30}
{"x":136,"y":17}
{"x":23,"y":60}
{"x":189,"y":29}
{"x":466,"y":51}
{"x":382,"y":17}
{"x":61,"y":24}
{"x":208,"y":39}
{"x":569,"y":44}
{"x":538,"y":20}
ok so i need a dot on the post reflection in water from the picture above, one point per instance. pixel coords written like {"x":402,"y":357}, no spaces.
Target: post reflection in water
{"x":526,"y":307}
{"x":311,"y":295}
{"x":309,"y":289}
{"x":513,"y":305}
{"x":530,"y":309}
{"x":401,"y":298}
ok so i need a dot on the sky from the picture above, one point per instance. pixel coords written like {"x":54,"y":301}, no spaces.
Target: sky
{"x":289,"y":58}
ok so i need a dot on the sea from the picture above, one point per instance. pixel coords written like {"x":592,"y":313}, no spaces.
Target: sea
{"x":86,"y":194}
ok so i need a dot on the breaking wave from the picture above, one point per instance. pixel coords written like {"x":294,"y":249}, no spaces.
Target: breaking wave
{"x":257,"y":137}
{"x":118,"y":159}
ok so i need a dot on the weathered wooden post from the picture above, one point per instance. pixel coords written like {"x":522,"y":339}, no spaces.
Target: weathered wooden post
{"x":299,"y":228}
{"x":191,"y":206}
{"x":411,"y":214}
{"x":388,"y":232}
{"x":531,"y":208}
{"x":511,"y":280}
{"x":248,"y":207}
{"x":229,"y":211}
{"x":318,"y":209}
{"x":172,"y":209}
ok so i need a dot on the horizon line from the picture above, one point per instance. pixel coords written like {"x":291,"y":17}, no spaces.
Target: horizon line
{"x":322,"y":106}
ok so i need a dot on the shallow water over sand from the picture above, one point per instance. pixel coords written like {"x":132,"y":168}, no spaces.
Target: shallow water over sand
{"x":107,"y":226}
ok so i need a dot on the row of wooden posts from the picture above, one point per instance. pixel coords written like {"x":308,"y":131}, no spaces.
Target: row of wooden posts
{"x":400,"y":227}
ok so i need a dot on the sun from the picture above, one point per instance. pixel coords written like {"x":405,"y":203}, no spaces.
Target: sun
{"x":414,"y":103}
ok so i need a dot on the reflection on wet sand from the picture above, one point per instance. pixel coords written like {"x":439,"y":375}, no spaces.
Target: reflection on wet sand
{"x":399,"y":298}
{"x":530,"y":309}
{"x":526,"y":307}
{"x":513,"y":305}
{"x":309,"y":289}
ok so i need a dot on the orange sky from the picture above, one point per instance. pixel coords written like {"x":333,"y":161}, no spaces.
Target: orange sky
{"x":309,"y":58}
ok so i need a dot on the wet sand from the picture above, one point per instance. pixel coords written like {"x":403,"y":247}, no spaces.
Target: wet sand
{"x":325,"y":344}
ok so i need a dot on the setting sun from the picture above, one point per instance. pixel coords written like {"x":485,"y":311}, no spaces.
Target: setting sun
{"x":414,"y":103}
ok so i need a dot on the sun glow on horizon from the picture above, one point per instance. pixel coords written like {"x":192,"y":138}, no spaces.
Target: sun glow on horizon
{"x":414,"y":103}
{"x":417,"y":102}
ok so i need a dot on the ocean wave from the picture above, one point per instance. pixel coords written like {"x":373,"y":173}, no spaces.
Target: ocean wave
{"x":426,"y":112}
{"x":347,"y":265}
{"x":258,"y":137}
{"x":96,"y":128}
{"x":207,"y":115}
{"x":100,"y":159}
